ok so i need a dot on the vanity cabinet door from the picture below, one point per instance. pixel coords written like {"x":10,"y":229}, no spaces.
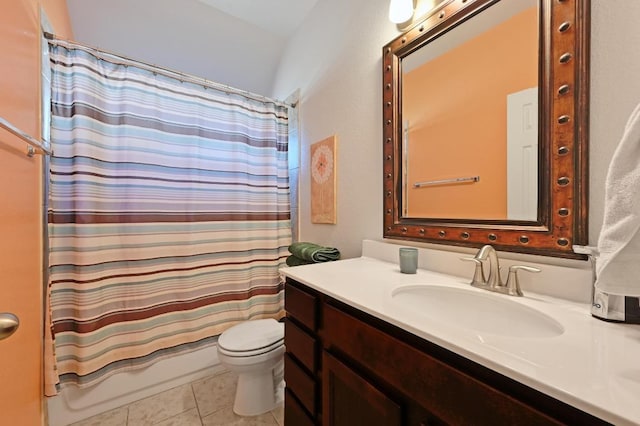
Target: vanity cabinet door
{"x":349,"y":400}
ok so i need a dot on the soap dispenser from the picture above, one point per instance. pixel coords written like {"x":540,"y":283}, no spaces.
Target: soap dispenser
{"x":605,"y":306}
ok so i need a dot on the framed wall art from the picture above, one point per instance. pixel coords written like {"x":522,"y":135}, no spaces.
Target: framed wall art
{"x":323,"y":181}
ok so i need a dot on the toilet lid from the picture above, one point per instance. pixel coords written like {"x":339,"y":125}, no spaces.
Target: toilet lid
{"x":252,"y":335}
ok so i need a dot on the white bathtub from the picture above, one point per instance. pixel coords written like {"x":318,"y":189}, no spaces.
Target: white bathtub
{"x":73,"y":404}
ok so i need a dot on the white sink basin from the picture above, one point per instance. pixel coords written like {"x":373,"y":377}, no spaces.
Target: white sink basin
{"x":481,"y":312}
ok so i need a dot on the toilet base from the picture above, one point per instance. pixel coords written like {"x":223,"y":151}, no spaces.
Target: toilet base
{"x":258,"y":393}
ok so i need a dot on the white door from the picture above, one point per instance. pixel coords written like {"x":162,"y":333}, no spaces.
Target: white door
{"x":522,"y":155}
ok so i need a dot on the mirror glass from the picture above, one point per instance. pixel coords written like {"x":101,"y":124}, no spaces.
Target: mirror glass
{"x":470,"y":119}
{"x":485,"y":109}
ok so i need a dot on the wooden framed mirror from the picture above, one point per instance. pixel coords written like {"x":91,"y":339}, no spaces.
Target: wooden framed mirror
{"x":492,"y":146}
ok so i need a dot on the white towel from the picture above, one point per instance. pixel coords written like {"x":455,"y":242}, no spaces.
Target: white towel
{"x":618,"y":266}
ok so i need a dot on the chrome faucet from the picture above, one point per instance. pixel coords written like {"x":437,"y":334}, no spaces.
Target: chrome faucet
{"x":493,"y":281}
{"x":488,"y":252}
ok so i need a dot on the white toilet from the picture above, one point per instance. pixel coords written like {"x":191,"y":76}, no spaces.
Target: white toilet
{"x":254,"y":350}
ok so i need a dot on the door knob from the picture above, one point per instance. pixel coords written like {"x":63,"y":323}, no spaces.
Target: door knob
{"x":8,"y":324}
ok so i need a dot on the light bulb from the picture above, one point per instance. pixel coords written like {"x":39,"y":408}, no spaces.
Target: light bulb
{"x":400,"y":11}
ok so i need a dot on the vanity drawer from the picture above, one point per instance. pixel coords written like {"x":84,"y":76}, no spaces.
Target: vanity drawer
{"x":439,"y":388}
{"x":301,"y":305}
{"x":301,"y":345}
{"x":300,"y":384}
{"x":294,"y":414}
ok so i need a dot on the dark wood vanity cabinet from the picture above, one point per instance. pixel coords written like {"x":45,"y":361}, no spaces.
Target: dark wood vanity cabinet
{"x":345,"y":367}
{"x":350,"y":399}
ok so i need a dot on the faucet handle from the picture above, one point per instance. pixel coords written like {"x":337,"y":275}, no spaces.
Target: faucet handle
{"x":513,"y":284}
{"x":478,"y":275}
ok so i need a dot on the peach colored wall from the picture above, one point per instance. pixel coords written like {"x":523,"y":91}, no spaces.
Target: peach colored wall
{"x":21,"y":215}
{"x":468,"y":128}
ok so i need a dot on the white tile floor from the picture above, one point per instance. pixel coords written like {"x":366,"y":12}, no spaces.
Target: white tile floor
{"x":206,"y":402}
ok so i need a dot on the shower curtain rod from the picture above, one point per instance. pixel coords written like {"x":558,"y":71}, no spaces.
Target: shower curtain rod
{"x":124,"y":60}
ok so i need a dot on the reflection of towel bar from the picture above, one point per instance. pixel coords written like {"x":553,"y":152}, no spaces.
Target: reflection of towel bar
{"x":444,"y":181}
{"x":25,"y":137}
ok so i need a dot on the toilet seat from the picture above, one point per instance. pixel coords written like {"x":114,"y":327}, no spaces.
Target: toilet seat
{"x":252,"y":338}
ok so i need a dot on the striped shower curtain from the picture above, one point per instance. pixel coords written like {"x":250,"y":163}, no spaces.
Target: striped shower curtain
{"x":168,"y":215}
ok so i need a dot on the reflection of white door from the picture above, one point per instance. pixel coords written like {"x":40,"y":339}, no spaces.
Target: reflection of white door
{"x":522,"y":155}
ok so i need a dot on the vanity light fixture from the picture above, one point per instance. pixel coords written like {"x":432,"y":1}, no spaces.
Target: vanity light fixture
{"x":400,"y":11}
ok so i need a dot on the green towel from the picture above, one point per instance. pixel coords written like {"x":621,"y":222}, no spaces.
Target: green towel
{"x":296,"y":261}
{"x":313,"y":252}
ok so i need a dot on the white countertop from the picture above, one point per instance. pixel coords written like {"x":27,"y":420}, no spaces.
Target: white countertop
{"x":593,"y":365}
